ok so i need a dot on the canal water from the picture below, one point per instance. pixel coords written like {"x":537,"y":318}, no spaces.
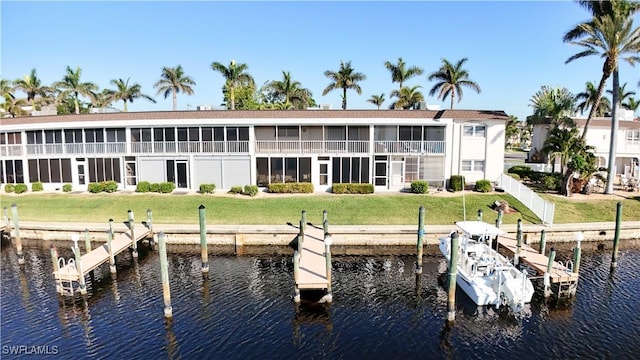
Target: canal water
{"x":244,"y":311}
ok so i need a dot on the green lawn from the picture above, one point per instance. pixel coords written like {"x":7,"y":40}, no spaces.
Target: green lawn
{"x":343,"y":209}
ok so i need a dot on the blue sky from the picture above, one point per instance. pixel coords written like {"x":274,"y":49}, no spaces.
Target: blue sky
{"x":513,"y":47}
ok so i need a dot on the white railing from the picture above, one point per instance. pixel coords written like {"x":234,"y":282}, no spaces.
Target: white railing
{"x":405,"y":147}
{"x":160,"y":147}
{"x":543,"y":209}
{"x":11,"y":150}
{"x":312,"y":146}
{"x":88,"y":148}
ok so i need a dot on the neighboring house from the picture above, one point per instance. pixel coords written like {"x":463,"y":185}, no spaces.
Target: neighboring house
{"x":599,"y":136}
{"x":387,"y":148}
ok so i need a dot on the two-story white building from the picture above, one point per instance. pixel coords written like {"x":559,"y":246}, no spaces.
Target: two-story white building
{"x":387,"y":148}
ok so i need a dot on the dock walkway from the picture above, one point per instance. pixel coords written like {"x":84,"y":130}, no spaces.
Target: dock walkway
{"x":313,"y":268}
{"x":539,"y":262}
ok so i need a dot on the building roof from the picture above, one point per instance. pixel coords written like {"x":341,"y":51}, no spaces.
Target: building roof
{"x":266,"y":114}
{"x":601,"y":122}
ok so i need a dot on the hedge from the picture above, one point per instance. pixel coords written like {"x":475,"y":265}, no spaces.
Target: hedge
{"x":419,"y":187}
{"x":20,"y":188}
{"x":522,"y":171}
{"x":251,"y":190}
{"x":350,"y":188}
{"x":166,"y":187}
{"x":236,"y":190}
{"x":291,"y":188}
{"x":143,"y":187}
{"x":66,"y":188}
{"x":9,"y":188}
{"x":37,"y":186}
{"x":207,"y":188}
{"x":484,"y":186}
{"x":456,"y":182}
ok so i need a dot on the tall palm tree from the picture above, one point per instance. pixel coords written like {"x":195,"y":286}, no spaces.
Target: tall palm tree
{"x":290,"y":91}
{"x":622,"y":93}
{"x":32,"y":86}
{"x":345,"y":78}
{"x":408,"y":97}
{"x":376,"y":100}
{"x":128,"y":93}
{"x":173,"y":81}
{"x":400,"y":72}
{"x":450,"y":80}
{"x":554,"y":104}
{"x":102,"y":99}
{"x":631,"y":104}
{"x":71,"y":85}
{"x":588,"y":98}
{"x":14,"y":106}
{"x":511,"y":131}
{"x":6,"y":86}
{"x":235,"y":75}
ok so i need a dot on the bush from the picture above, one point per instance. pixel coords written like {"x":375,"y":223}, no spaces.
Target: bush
{"x":236,"y":190}
{"x":551,"y":182}
{"x":419,"y":187}
{"x":66,"y":188}
{"x":522,"y":171}
{"x":251,"y":190}
{"x":456,"y":182}
{"x":207,"y":188}
{"x":166,"y":187}
{"x":9,"y":188}
{"x":350,"y":188}
{"x":95,"y":188}
{"x":515,"y":176}
{"x":143,"y":187}
{"x":154,"y":187}
{"x":484,"y":186}
{"x":37,"y":186}
{"x":110,"y":186}
{"x":291,"y":188}
{"x":20,"y":188}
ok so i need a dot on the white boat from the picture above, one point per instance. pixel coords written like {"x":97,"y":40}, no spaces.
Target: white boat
{"x":485,"y":275}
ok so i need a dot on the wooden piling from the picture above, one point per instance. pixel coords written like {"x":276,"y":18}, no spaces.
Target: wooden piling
{"x":547,"y":275}
{"x":150,"y":226}
{"x":327,"y":254}
{"x":516,"y":256}
{"x":204,"y":254}
{"x":499,"y":219}
{"x":56,"y":267}
{"x":303,"y":225}
{"x":420,"y":246}
{"x":616,"y":237}
{"x":296,"y":273}
{"x":7,"y":225}
{"x":543,"y":241}
{"x":479,"y":214}
{"x":576,"y":252}
{"x":134,"y":244}
{"x":112,"y":259}
{"x":325,"y":222}
{"x":453,"y":273}
{"x":16,"y":229}
{"x":87,"y":241}
{"x":78,"y":260}
{"x":164,"y":269}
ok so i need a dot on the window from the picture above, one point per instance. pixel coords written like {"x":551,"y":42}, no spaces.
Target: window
{"x":115,"y":135}
{"x":473,"y":130}
{"x":35,"y":137}
{"x":278,"y":170}
{"x":350,"y":170}
{"x":237,"y":134}
{"x":288,"y":133}
{"x":11,"y":138}
{"x":73,"y":136}
{"x":473,"y":165}
{"x":53,"y":136}
{"x":94,"y":135}
{"x":633,"y":137}
{"x":410,"y":133}
{"x":103,"y":169}
{"x":140,"y":134}
{"x":411,"y":168}
{"x":50,"y":170}
{"x":11,"y":172}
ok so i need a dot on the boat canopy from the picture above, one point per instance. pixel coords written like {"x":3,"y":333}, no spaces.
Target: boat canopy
{"x":479,"y":228}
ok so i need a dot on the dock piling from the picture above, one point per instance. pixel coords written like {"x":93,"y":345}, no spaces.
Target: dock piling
{"x":479,"y":214}
{"x":87,"y":241}
{"x":327,"y":254}
{"x":134,"y":244}
{"x":296,"y":274}
{"x":453,"y":273}
{"x":543,"y":241}
{"x":56,"y":267}
{"x":112,"y":259}
{"x":547,"y":275}
{"x":499,"y":219}
{"x":16,"y":229}
{"x":78,"y":258}
{"x":150,"y":226}
{"x":576,"y":252}
{"x":203,"y":241}
{"x":7,"y":225}
{"x":420,"y":247}
{"x":616,"y":238}
{"x":516,"y":257}
{"x":325,"y":222}
{"x":164,"y":267}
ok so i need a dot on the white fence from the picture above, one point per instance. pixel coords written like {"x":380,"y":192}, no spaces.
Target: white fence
{"x":543,"y":209}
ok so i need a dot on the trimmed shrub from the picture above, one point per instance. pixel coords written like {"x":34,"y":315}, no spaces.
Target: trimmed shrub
{"x":551,"y":182}
{"x":207,"y":188}
{"x":110,"y":186}
{"x":166,"y":187}
{"x":350,"y":188}
{"x":419,"y":187}
{"x":251,"y":190}
{"x":236,"y":190}
{"x":67,"y":188}
{"x":154,"y":187}
{"x":95,"y":187}
{"x":456,"y":182}
{"x":484,"y":186}
{"x":9,"y":188}
{"x":37,"y":186}
{"x":522,"y":171}
{"x":143,"y":187}
{"x":20,"y":188}
{"x":291,"y":188}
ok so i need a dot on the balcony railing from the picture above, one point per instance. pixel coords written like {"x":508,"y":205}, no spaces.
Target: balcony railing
{"x":407,"y":147}
{"x":147,"y":147}
{"x":312,"y":146}
{"x":88,"y":148}
{"x":11,"y":150}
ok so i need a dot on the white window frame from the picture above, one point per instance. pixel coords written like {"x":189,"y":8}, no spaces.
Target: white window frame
{"x":474,"y":130}
{"x":472,"y":165}
{"x":633,"y":137}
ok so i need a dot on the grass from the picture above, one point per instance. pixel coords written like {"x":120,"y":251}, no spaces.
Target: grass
{"x":393,"y":209}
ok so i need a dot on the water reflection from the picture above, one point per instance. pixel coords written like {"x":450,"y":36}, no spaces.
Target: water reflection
{"x":171,"y":340}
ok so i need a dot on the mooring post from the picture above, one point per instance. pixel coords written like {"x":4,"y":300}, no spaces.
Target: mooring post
{"x":296,"y":274}
{"x":203,"y":241}
{"x":164,"y":267}
{"x":479,"y":214}
{"x":56,"y":267}
{"x":543,"y":241}
{"x":453,"y":273}
{"x":304,"y":218}
{"x":327,"y":255}
{"x":325,"y":222}
{"x":134,"y":244}
{"x":576,"y":252}
{"x":16,"y":229}
{"x":78,"y":257}
{"x":516,"y":257}
{"x":112,"y":259}
{"x":150,"y":226}
{"x":547,"y":275}
{"x":420,"y":243}
{"x":303,"y":225}
{"x":87,"y":241}
{"x":499,"y":219}
{"x":6,"y":219}
{"x":616,"y":237}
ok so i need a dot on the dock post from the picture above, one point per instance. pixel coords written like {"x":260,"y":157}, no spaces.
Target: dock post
{"x":150,"y":225}
{"x":6,"y":219}
{"x":547,"y":275}
{"x":420,"y":246}
{"x":325,"y":222}
{"x":576,"y":252}
{"x":134,"y":244}
{"x":16,"y":229}
{"x":296,"y":274}
{"x":203,"y":241}
{"x":543,"y":241}
{"x":303,"y":225}
{"x":112,"y":259}
{"x":453,"y":273}
{"x":56,"y":267}
{"x":327,"y":255}
{"x":616,"y":237}
{"x":87,"y":241}
{"x":479,"y":214}
{"x":78,"y":256}
{"x":164,"y":268}
{"x":516,"y":256}
{"x":499,"y":219}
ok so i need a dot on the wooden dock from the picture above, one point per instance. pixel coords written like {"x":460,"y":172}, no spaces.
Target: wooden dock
{"x":313,"y":269}
{"x":100,"y":255}
{"x":539,"y":262}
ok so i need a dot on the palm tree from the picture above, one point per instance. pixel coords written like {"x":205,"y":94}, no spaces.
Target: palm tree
{"x":554,"y":104}
{"x":588,"y":97}
{"x":235,"y":76}
{"x":511,"y":131}
{"x":376,"y":100}
{"x":631,"y":104}
{"x":32,"y":86}
{"x":7,"y":89}
{"x":345,"y":78}
{"x":127,"y":93}
{"x":450,"y":80}
{"x":408,"y":97}
{"x":71,"y":85}
{"x":173,"y":81}
{"x":14,"y":106}
{"x":102,"y":99}
{"x":622,"y":93}
{"x":400,"y":73}
{"x":290,"y":91}
{"x":560,"y":143}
